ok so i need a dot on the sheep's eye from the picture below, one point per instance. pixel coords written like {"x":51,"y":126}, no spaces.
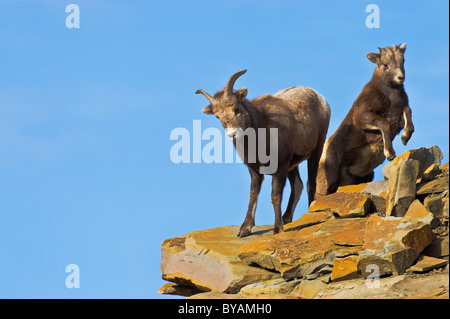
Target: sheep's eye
{"x":385,"y":66}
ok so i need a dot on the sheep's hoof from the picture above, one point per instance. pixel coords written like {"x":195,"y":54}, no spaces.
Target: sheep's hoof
{"x":390,"y":155}
{"x":286,"y":220}
{"x":243,"y":233}
{"x":405,"y":139}
{"x":277,"y":231}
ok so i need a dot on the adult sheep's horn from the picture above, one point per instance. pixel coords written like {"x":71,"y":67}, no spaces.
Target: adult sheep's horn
{"x":209,"y":97}
{"x":229,"y":87}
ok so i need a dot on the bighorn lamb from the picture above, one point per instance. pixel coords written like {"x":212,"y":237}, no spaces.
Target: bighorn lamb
{"x":300,"y":117}
{"x":364,"y":138}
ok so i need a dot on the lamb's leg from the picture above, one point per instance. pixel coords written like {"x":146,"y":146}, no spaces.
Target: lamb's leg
{"x":296,"y":190}
{"x":409,"y":127}
{"x":249,"y":221}
{"x":328,"y":174}
{"x":313,"y":167}
{"x":373,"y":121}
{"x":278,"y":182}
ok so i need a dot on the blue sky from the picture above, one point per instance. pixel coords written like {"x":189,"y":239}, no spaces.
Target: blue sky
{"x":86,"y":114}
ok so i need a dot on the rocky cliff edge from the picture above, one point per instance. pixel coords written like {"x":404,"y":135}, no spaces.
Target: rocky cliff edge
{"x":384,"y":239}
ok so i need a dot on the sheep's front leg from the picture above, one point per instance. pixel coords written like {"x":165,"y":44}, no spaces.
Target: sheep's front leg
{"x":409,"y":127}
{"x":373,"y":121}
{"x":249,"y":221}
{"x":278,"y":182}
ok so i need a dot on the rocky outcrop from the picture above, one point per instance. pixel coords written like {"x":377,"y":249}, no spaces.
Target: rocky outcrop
{"x":433,"y":285}
{"x":297,"y":254}
{"x":392,"y":244}
{"x":343,"y":204}
{"x":384,"y":239}
{"x":207,"y":260}
{"x":403,"y":173}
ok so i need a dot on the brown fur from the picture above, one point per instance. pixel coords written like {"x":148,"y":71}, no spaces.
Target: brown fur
{"x":301,"y":116}
{"x":364,"y":138}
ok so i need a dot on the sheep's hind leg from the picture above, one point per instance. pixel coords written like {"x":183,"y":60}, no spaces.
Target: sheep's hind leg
{"x":296,"y":190}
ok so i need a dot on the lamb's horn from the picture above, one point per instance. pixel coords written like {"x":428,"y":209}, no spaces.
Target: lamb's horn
{"x":209,"y":97}
{"x":229,"y":87}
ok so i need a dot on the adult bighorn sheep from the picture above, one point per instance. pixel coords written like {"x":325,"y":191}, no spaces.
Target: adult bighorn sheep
{"x":364,"y":138}
{"x":300,"y":117}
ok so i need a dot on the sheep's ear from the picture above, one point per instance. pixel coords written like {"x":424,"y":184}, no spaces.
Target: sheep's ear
{"x":241,"y":94}
{"x":374,"y":57}
{"x":208,"y":110}
{"x":402,"y":47}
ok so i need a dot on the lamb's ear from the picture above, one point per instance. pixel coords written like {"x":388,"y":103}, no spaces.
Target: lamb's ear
{"x":402,"y":48}
{"x":241,"y":94}
{"x":208,"y":110}
{"x":374,"y":57}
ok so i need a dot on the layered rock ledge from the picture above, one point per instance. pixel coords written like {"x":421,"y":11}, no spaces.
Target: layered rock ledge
{"x":384,"y":239}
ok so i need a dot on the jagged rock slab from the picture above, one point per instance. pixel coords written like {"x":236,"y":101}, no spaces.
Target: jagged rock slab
{"x":377,"y":192}
{"x":418,"y":212}
{"x":376,"y":188}
{"x":345,"y":268}
{"x":392,"y":244}
{"x":401,"y":186}
{"x":425,"y":156}
{"x":351,"y":237}
{"x":308,"y":219}
{"x":357,"y":188}
{"x":430,"y":173}
{"x":344,"y":204}
{"x":207,"y":260}
{"x":435,"y":203}
{"x":296,"y":254}
{"x":308,"y":289}
{"x":426,"y":263}
{"x":179,"y":290}
{"x":438,"y":248}
{"x":437,"y":185}
{"x":402,"y":174}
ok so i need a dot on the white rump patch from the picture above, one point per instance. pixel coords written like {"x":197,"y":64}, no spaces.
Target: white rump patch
{"x":323,"y":102}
